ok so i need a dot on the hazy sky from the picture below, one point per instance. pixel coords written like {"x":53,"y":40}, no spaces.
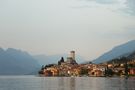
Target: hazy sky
{"x":90,"y":27}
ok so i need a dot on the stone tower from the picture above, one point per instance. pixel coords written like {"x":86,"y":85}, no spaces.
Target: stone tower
{"x":72,"y":54}
{"x":71,"y":58}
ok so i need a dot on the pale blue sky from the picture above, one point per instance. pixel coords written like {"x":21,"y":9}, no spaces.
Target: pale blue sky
{"x":90,"y":27}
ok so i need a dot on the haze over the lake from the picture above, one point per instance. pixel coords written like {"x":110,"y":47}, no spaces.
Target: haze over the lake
{"x":90,"y":27}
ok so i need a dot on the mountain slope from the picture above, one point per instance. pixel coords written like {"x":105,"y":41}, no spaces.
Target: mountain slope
{"x":129,"y":57}
{"x":16,"y":62}
{"x":116,"y":52}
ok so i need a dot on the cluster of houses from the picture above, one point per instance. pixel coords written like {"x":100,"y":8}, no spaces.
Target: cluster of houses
{"x":71,"y":68}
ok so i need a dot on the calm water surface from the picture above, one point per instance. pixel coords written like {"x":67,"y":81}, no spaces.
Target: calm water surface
{"x":65,"y":83}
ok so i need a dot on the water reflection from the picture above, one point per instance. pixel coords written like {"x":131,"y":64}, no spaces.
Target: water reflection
{"x":66,"y":83}
{"x":72,"y":83}
{"x":61,"y":84}
{"x":126,"y":84}
{"x":91,"y":83}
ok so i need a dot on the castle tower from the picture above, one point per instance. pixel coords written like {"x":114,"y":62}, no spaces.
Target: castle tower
{"x":71,"y":58}
{"x":72,"y":54}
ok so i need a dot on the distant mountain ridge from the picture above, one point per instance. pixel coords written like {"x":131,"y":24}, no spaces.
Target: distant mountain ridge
{"x":17,"y":62}
{"x":116,"y":52}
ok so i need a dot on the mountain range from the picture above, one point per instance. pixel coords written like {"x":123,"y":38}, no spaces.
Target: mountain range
{"x":17,"y":62}
{"x":120,"y":50}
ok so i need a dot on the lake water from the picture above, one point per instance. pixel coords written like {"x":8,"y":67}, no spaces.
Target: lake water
{"x":65,"y":83}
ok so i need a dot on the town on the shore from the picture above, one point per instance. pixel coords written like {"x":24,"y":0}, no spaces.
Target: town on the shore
{"x":70,"y":68}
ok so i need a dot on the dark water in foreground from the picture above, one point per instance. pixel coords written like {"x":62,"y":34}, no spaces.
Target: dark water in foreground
{"x":65,"y":83}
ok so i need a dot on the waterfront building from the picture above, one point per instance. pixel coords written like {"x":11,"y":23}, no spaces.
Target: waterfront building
{"x":97,"y":70}
{"x":132,"y":71}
